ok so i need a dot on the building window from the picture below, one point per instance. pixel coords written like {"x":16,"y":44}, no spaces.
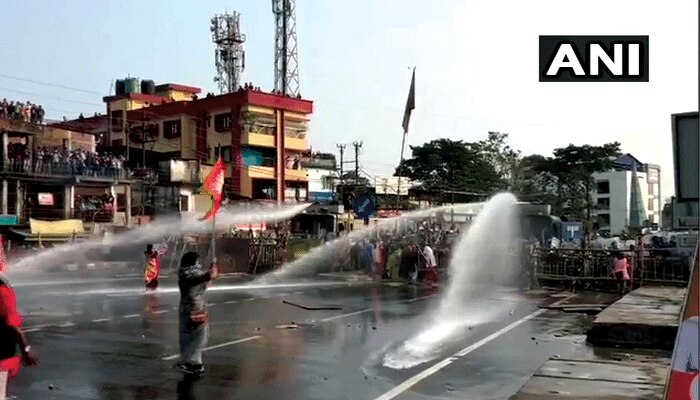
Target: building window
{"x":604,"y":220}
{"x":171,"y":129}
{"x":222,"y":122}
{"x":603,"y":187}
{"x":184,"y":203}
{"x":224,"y":152}
{"x":326,"y":182}
{"x":117,"y":118}
{"x":603,"y":204}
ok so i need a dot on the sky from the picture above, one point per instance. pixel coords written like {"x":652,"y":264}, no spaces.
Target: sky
{"x":476,"y":66}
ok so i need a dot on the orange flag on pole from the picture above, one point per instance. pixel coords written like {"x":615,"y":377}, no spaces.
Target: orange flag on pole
{"x":214,"y":185}
{"x":683,"y":380}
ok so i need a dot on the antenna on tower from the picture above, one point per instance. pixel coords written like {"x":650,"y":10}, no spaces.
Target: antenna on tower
{"x":229,"y":56}
{"x":286,"y":57}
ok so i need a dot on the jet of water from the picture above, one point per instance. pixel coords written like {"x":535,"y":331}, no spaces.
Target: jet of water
{"x":154,"y":231}
{"x":483,"y":259}
{"x":321,"y":257}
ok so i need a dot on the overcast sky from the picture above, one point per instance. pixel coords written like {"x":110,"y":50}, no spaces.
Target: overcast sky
{"x":476,"y":66}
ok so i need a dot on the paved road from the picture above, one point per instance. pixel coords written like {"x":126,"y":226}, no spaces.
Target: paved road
{"x":105,"y":339}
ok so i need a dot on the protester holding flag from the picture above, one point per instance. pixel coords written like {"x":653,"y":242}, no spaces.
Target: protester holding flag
{"x":14,"y":347}
{"x":194,"y":326}
{"x":193,"y":281}
{"x":152,"y":267}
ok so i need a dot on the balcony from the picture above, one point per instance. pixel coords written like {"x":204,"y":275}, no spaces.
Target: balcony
{"x":266,"y":140}
{"x":64,"y":169}
{"x":256,"y":172}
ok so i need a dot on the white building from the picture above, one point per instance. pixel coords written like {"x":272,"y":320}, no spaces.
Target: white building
{"x":613,"y":195}
{"x":322,"y":177}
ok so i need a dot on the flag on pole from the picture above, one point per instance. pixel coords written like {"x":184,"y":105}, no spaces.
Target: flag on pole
{"x":683,"y":380}
{"x":214,"y":185}
{"x":410,"y":103}
{"x":3,"y":260}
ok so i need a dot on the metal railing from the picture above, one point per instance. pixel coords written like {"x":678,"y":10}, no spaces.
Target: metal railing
{"x":64,"y":169}
{"x":596,"y":265}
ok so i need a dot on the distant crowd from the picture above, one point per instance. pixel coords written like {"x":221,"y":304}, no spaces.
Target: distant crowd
{"x":27,"y":112}
{"x":64,"y":161}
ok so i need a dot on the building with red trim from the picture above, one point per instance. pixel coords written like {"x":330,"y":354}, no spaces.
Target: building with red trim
{"x":259,"y":135}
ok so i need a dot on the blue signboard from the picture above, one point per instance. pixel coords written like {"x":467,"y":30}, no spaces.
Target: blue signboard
{"x":8,"y":219}
{"x":322,"y":197}
{"x":364,"y":206}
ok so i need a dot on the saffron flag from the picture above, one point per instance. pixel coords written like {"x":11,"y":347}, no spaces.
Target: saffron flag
{"x":214,"y":185}
{"x":410,"y":103}
{"x":683,"y":380}
{"x":3,"y":260}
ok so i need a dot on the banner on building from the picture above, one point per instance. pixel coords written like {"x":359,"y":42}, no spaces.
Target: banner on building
{"x":45,"y":199}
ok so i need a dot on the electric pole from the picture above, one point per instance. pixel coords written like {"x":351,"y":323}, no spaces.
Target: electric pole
{"x":358,"y":146}
{"x":341,"y":149}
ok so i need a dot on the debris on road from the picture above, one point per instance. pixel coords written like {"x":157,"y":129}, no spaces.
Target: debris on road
{"x":312,"y":308}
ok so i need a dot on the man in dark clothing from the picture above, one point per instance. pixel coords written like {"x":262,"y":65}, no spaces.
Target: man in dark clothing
{"x":194,"y":326}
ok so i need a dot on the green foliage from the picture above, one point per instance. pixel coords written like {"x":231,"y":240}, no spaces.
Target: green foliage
{"x":449,"y":165}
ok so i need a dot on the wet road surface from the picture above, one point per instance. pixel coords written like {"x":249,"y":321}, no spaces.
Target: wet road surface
{"x":107,"y":339}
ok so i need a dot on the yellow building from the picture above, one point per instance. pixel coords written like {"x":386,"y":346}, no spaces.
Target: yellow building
{"x":259,"y":135}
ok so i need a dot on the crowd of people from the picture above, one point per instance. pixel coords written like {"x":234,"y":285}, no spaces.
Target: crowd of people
{"x":27,"y":112}
{"x":61,"y":161}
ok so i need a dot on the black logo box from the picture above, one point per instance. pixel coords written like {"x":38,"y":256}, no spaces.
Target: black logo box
{"x":550,"y":44}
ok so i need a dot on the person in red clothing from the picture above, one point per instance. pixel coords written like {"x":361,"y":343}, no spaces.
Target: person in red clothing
{"x":13,"y":344}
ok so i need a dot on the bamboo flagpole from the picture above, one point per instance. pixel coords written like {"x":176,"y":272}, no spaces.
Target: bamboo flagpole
{"x":214,"y":185}
{"x":410,"y":106}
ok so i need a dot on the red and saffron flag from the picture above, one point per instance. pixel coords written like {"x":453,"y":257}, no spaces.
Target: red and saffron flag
{"x":214,"y":185}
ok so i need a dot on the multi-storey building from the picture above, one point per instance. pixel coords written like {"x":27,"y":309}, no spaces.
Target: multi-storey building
{"x":53,"y":173}
{"x":260,"y":136}
{"x":617,"y":195}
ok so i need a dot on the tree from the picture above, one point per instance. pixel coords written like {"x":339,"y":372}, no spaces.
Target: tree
{"x":531,"y":180}
{"x":448,"y":165}
{"x":570,"y":175}
{"x":497,"y":152}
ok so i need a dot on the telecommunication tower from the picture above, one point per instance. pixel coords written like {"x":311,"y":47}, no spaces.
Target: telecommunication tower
{"x":229,"y":55}
{"x":286,"y":57}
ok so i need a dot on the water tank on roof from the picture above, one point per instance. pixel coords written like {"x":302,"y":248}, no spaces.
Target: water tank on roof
{"x":120,"y":87}
{"x":132,"y":85}
{"x":148,"y":86}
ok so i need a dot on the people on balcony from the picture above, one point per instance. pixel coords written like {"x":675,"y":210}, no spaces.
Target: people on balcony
{"x":64,"y":162}
{"x":19,"y":111}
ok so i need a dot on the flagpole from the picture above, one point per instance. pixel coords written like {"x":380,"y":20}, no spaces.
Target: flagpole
{"x":213,"y":239}
{"x":410,"y":105}
{"x":398,"y":184}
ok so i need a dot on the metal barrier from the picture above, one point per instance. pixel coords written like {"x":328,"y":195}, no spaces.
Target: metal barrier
{"x":64,"y":169}
{"x":595,"y":265}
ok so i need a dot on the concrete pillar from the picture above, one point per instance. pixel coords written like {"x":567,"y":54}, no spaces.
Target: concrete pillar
{"x":5,"y":156}
{"x":4,"y":196}
{"x":69,"y":201}
{"x":127,"y":210}
{"x":20,"y":202}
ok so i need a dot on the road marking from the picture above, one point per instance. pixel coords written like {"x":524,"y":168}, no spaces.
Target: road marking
{"x":333,"y":318}
{"x":100,"y":320}
{"x":211,"y":304}
{"x":231,"y":302}
{"x":418,"y":298}
{"x":283,"y":294}
{"x":160,"y":311}
{"x":66,"y":324}
{"x":250,"y":299}
{"x":410,"y":382}
{"x":132,"y":316}
{"x":218,"y":346}
{"x":299,"y":292}
{"x":36,"y":327}
{"x":347,"y":315}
